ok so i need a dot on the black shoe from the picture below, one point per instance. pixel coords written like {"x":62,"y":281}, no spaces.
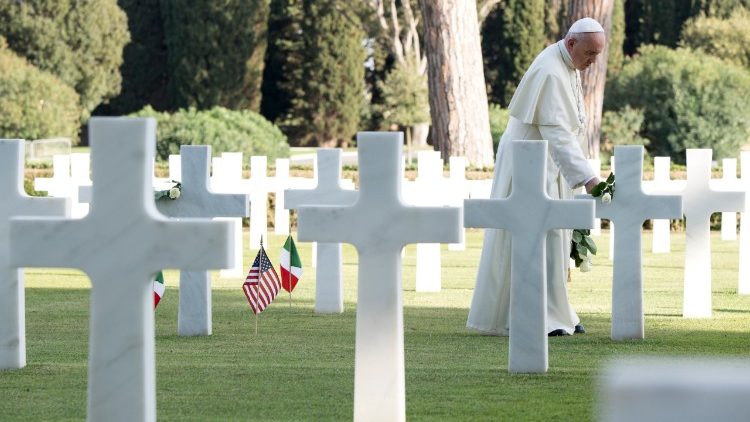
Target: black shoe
{"x":579,"y":329}
{"x":558,"y":332}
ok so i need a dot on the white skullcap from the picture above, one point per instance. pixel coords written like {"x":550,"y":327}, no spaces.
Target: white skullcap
{"x":585,"y":25}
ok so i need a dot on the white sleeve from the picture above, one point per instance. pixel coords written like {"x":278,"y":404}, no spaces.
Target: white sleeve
{"x":567,"y":154}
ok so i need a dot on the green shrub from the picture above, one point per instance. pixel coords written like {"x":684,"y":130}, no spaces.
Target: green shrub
{"x":689,"y":100}
{"x":35,"y":104}
{"x":728,"y":39}
{"x":621,"y":127}
{"x":225,"y":130}
{"x":80,"y":42}
{"x":498,"y":120}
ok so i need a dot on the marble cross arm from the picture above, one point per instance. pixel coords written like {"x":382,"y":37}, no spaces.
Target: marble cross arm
{"x":49,"y":242}
{"x":296,"y":198}
{"x":494,"y":213}
{"x":668,"y":207}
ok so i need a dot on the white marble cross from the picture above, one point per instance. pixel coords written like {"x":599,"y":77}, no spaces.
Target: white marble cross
{"x":596,"y":165}
{"x":744,"y":277}
{"x":662,"y":184}
{"x":429,"y":189}
{"x":80,"y":172}
{"x":629,"y":208}
{"x":120,"y":245}
{"x":281,"y":183}
{"x":458,"y":191}
{"x":60,"y":184}
{"x":729,"y":219}
{"x":227,"y":178}
{"x":699,"y":202}
{"x":657,"y":389}
{"x":528,"y":214}
{"x":16,"y":203}
{"x":198,"y":201}
{"x":329,"y":286}
{"x":379,"y":225}
{"x":259,"y":197}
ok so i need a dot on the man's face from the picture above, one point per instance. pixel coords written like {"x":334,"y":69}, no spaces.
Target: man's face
{"x":585,"y":49}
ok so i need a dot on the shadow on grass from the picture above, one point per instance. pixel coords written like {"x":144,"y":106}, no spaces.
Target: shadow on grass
{"x":301,"y":365}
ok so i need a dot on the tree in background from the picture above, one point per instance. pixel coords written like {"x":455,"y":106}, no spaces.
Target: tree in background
{"x":81,"y":42}
{"x":327,"y":91}
{"x":458,"y":105}
{"x":283,"y":61}
{"x":594,"y":78}
{"x":35,"y":103}
{"x":616,"y":40}
{"x":405,"y":98}
{"x":689,"y":100}
{"x":512,"y":36}
{"x":728,"y":39}
{"x":215,"y":52}
{"x":144,"y":70}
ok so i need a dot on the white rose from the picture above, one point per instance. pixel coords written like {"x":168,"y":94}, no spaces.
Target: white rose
{"x":174,"y":193}
{"x":586,"y":266}
{"x":606,"y":198}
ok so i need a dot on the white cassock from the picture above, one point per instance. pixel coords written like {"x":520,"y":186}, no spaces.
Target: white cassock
{"x":548,"y":104}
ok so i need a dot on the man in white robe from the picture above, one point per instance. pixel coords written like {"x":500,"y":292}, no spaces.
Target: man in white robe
{"x":548,"y":104}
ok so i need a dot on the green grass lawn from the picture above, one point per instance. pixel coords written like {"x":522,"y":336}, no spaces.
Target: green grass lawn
{"x":300,"y":366}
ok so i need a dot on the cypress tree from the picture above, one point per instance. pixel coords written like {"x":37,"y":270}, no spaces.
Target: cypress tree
{"x":283,"y":58}
{"x":616,"y":39}
{"x":215,"y":52}
{"x":80,"y":42}
{"x":144,"y":70}
{"x":328,"y":93}
{"x":512,"y":36}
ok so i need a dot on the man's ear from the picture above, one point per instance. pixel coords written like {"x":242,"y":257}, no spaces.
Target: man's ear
{"x":570,"y":42}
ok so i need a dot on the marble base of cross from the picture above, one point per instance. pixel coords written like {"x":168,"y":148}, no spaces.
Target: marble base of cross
{"x":528,"y":214}
{"x":120,"y":245}
{"x":699,"y":202}
{"x":379,"y":224}
{"x":16,"y":203}
{"x":629,"y":208}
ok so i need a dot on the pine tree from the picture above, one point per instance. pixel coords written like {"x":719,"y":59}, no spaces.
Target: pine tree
{"x":512,"y":36}
{"x":215,"y":52}
{"x":328,"y":93}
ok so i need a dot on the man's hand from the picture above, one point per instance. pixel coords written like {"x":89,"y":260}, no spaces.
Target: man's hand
{"x":591,"y":183}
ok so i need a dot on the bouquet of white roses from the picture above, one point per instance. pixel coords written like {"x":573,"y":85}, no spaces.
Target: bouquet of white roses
{"x":581,"y":245}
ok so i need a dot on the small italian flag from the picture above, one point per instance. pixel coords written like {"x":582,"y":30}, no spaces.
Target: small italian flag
{"x":158,"y":288}
{"x":291,"y":266}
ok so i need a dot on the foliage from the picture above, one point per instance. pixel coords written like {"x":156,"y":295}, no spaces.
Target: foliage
{"x":144,"y":69}
{"x":283,"y":61}
{"x":405,"y":98}
{"x":689,"y":100}
{"x":621,"y":127}
{"x":215,"y":52}
{"x":327,"y":90}
{"x":616,"y":56}
{"x":728,"y":39}
{"x":498,"y":121}
{"x":81,"y":42}
{"x":512,"y":36}
{"x":35,"y":104}
{"x":225,"y":130}
{"x":661,"y":21}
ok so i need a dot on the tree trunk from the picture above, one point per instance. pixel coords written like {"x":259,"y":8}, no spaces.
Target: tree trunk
{"x":594,"y":78}
{"x":458,"y":100}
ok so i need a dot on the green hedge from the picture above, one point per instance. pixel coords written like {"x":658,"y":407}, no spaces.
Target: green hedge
{"x":35,"y":104}
{"x":689,"y":100}
{"x":728,"y":39}
{"x":225,"y":130}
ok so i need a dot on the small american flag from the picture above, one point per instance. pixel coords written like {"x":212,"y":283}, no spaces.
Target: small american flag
{"x":262,"y":283}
